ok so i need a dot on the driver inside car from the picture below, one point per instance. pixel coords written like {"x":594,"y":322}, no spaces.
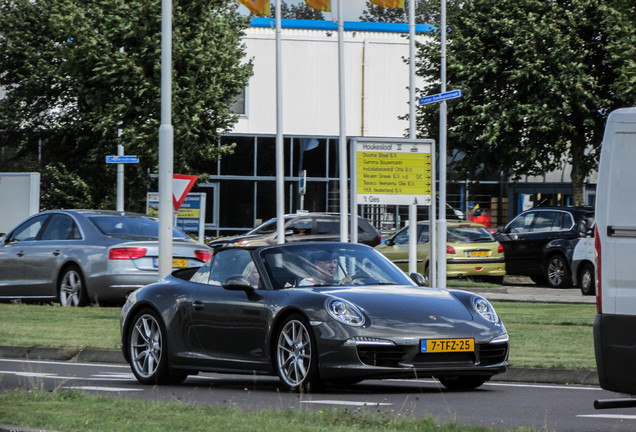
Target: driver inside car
{"x":324,"y":269}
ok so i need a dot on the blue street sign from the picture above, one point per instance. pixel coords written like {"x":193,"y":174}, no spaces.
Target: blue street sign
{"x":126,"y":159}
{"x":440,"y":97}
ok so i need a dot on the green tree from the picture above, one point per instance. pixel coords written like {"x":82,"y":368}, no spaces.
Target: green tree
{"x":538,"y":80}
{"x":425,"y":13}
{"x":76,"y":72}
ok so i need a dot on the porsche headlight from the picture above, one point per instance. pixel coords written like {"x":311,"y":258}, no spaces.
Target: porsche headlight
{"x":345,"y":312}
{"x":485,"y":309}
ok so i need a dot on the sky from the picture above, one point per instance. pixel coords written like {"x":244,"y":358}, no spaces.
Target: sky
{"x":352,"y":8}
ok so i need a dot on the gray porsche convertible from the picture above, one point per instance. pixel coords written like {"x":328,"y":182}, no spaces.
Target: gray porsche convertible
{"x":311,"y":313}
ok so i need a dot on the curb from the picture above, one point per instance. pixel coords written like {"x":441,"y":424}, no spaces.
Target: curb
{"x":91,"y":355}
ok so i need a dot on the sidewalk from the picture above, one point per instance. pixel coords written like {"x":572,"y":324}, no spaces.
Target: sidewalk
{"x":522,"y":289}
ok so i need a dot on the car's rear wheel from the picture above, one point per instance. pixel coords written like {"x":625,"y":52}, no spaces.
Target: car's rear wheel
{"x":147,"y":349}
{"x":462,"y":382}
{"x":587,"y":279}
{"x":558,"y":272}
{"x":71,"y":290}
{"x":296,"y":355}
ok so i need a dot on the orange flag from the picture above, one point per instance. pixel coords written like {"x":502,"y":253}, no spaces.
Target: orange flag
{"x":259,"y":7}
{"x":389,"y":3}
{"x":321,"y":5}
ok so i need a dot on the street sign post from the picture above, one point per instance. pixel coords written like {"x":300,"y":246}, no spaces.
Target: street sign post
{"x":393,"y":171}
{"x":125,"y":159}
{"x":441,"y":97}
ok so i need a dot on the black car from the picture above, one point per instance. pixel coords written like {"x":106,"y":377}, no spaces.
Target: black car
{"x":301,"y":227}
{"x":311,"y":313}
{"x":539,"y":243}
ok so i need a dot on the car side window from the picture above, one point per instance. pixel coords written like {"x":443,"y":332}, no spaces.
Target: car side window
{"x":402,"y":237}
{"x":544,"y":221}
{"x":522,"y":223}
{"x":563,"y":222}
{"x":230,"y":262}
{"x":29,"y":230}
{"x":60,"y":227}
{"x":300,"y":227}
{"x":327,"y":226}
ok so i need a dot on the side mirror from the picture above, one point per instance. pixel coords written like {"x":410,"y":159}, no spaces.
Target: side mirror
{"x":389,"y":242}
{"x":418,"y":279}
{"x":501,"y":229}
{"x":238,"y":283}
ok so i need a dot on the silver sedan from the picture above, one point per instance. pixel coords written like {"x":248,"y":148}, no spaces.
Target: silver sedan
{"x":77,"y":257}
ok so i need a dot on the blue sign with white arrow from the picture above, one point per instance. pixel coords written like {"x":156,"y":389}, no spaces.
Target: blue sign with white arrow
{"x":125,"y":159}
{"x":441,"y":97}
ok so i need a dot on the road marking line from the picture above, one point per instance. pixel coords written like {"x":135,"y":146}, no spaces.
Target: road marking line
{"x":348,"y":403}
{"x":107,"y":389}
{"x":609,"y":416}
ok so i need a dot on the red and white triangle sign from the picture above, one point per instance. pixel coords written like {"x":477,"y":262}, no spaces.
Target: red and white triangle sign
{"x":181,"y":185}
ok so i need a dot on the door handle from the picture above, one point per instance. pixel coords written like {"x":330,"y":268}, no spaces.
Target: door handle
{"x":198,"y":305}
{"x":56,"y":253}
{"x":20,"y":254}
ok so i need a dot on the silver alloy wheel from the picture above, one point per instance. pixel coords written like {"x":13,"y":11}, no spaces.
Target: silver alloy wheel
{"x":557,"y":271}
{"x":294,"y":353}
{"x":71,"y":288}
{"x":146,"y":345}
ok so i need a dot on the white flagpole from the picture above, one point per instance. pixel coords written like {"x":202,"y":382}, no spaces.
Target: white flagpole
{"x":166,"y":144}
{"x":441,"y":231}
{"x":344,"y":223}
{"x":280,"y":150}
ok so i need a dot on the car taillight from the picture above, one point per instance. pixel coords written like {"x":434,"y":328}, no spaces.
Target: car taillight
{"x":379,"y":238}
{"x":597,"y":247}
{"x":126,"y":253}
{"x":203,"y":255}
{"x":450,"y":250}
{"x":500,"y":249}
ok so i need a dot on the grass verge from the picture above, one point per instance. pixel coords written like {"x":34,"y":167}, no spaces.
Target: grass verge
{"x":541,"y":335}
{"x":75,"y":411}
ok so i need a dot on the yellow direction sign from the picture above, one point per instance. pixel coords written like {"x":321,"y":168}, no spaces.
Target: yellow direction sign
{"x":393,"y":171}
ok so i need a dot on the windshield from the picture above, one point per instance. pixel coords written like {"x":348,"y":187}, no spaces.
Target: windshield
{"x":469,"y":234}
{"x":129,"y":226}
{"x":329,"y":264}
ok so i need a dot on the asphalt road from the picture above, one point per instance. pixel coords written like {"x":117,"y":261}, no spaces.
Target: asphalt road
{"x":500,"y":405}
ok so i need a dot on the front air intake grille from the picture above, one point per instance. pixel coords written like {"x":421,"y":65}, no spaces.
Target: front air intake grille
{"x":490,"y":354}
{"x":380,"y":355}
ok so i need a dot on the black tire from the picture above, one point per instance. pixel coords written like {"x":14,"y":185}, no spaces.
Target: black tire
{"x":586,"y":279}
{"x":71,"y":289}
{"x":296,"y":356}
{"x":462,"y":382}
{"x":558,"y":272}
{"x":148,"y":352}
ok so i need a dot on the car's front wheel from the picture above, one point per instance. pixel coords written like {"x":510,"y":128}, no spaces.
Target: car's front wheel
{"x":558,"y":272}
{"x":587,"y":279}
{"x":147,"y":349}
{"x":296,"y":357}
{"x":70,"y":289}
{"x":462,"y":382}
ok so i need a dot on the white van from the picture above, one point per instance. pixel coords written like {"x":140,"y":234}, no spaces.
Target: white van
{"x":615,"y":321}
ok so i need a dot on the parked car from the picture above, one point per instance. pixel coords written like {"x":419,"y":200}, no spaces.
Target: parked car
{"x":301,"y":227}
{"x":583,"y":273}
{"x":471,"y":251}
{"x":369,"y":321}
{"x":80,"y":256}
{"x":539,"y":243}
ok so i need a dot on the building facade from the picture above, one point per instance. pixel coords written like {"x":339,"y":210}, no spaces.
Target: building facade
{"x":241,"y":191}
